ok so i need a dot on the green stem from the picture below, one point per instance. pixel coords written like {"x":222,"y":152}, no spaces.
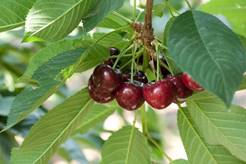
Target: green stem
{"x":169,"y":9}
{"x":134,"y":9}
{"x":144,"y":121}
{"x":127,"y":48}
{"x":188,"y":3}
{"x":139,"y":53}
{"x":134,"y":49}
{"x":157,"y":62}
{"x":138,"y":16}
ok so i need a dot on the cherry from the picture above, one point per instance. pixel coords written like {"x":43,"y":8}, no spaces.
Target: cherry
{"x":189,"y":83}
{"x":159,"y":94}
{"x":181,"y":90}
{"x":141,"y":77}
{"x":105,"y":79}
{"x":114,"y":51}
{"x":97,"y":95}
{"x":129,"y":96}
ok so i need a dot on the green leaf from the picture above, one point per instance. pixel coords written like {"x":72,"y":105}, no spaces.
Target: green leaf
{"x":209,"y":51}
{"x":175,"y":70}
{"x":218,"y":125}
{"x":233,"y":10}
{"x":180,"y":161}
{"x":59,"y":68}
{"x":197,"y":149}
{"x":113,"y":21}
{"x":5,"y":105}
{"x":52,"y":20}
{"x":13,"y":13}
{"x":101,"y":9}
{"x":127,"y":146}
{"x":49,"y":52}
{"x":52,"y":130}
{"x":97,"y":113}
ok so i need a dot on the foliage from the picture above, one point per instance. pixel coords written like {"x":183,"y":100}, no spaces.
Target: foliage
{"x":60,"y":39}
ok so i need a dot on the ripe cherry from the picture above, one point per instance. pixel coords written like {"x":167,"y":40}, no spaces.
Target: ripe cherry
{"x":98,"y":95}
{"x":141,"y":77}
{"x":159,"y":94}
{"x":189,"y":83}
{"x":104,"y":78}
{"x":181,"y":90}
{"x":129,"y":96}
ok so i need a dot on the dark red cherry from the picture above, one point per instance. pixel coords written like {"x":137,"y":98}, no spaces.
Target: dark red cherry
{"x":114,"y":51}
{"x":105,"y":78}
{"x":129,"y":96}
{"x":189,"y":83}
{"x":159,"y":94}
{"x":181,"y":90}
{"x":98,"y":95}
{"x":141,"y":77}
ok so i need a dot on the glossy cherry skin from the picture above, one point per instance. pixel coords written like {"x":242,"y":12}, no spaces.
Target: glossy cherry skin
{"x":141,"y":77}
{"x":191,"y":84}
{"x":98,"y":95}
{"x":104,"y":78}
{"x":181,"y":90}
{"x":160,"y":94}
{"x":129,"y":96}
{"x":114,"y":51}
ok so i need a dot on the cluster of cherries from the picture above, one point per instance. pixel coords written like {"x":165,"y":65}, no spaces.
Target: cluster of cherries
{"x":106,"y":84}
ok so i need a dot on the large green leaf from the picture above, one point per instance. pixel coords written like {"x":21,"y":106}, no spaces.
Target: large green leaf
{"x":52,"y":130}
{"x":218,"y":125}
{"x":126,"y":146}
{"x":97,"y":113}
{"x":197,"y":149}
{"x":45,"y":54}
{"x":53,"y":20}
{"x":233,"y":10}
{"x":209,"y":51}
{"x":52,"y":74}
{"x":13,"y":13}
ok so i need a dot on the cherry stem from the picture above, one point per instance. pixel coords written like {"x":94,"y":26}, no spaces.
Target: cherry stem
{"x":144,"y":121}
{"x":127,"y":48}
{"x":134,"y":9}
{"x":136,"y":56}
{"x":169,"y":8}
{"x":134,"y":49}
{"x":157,"y":63}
